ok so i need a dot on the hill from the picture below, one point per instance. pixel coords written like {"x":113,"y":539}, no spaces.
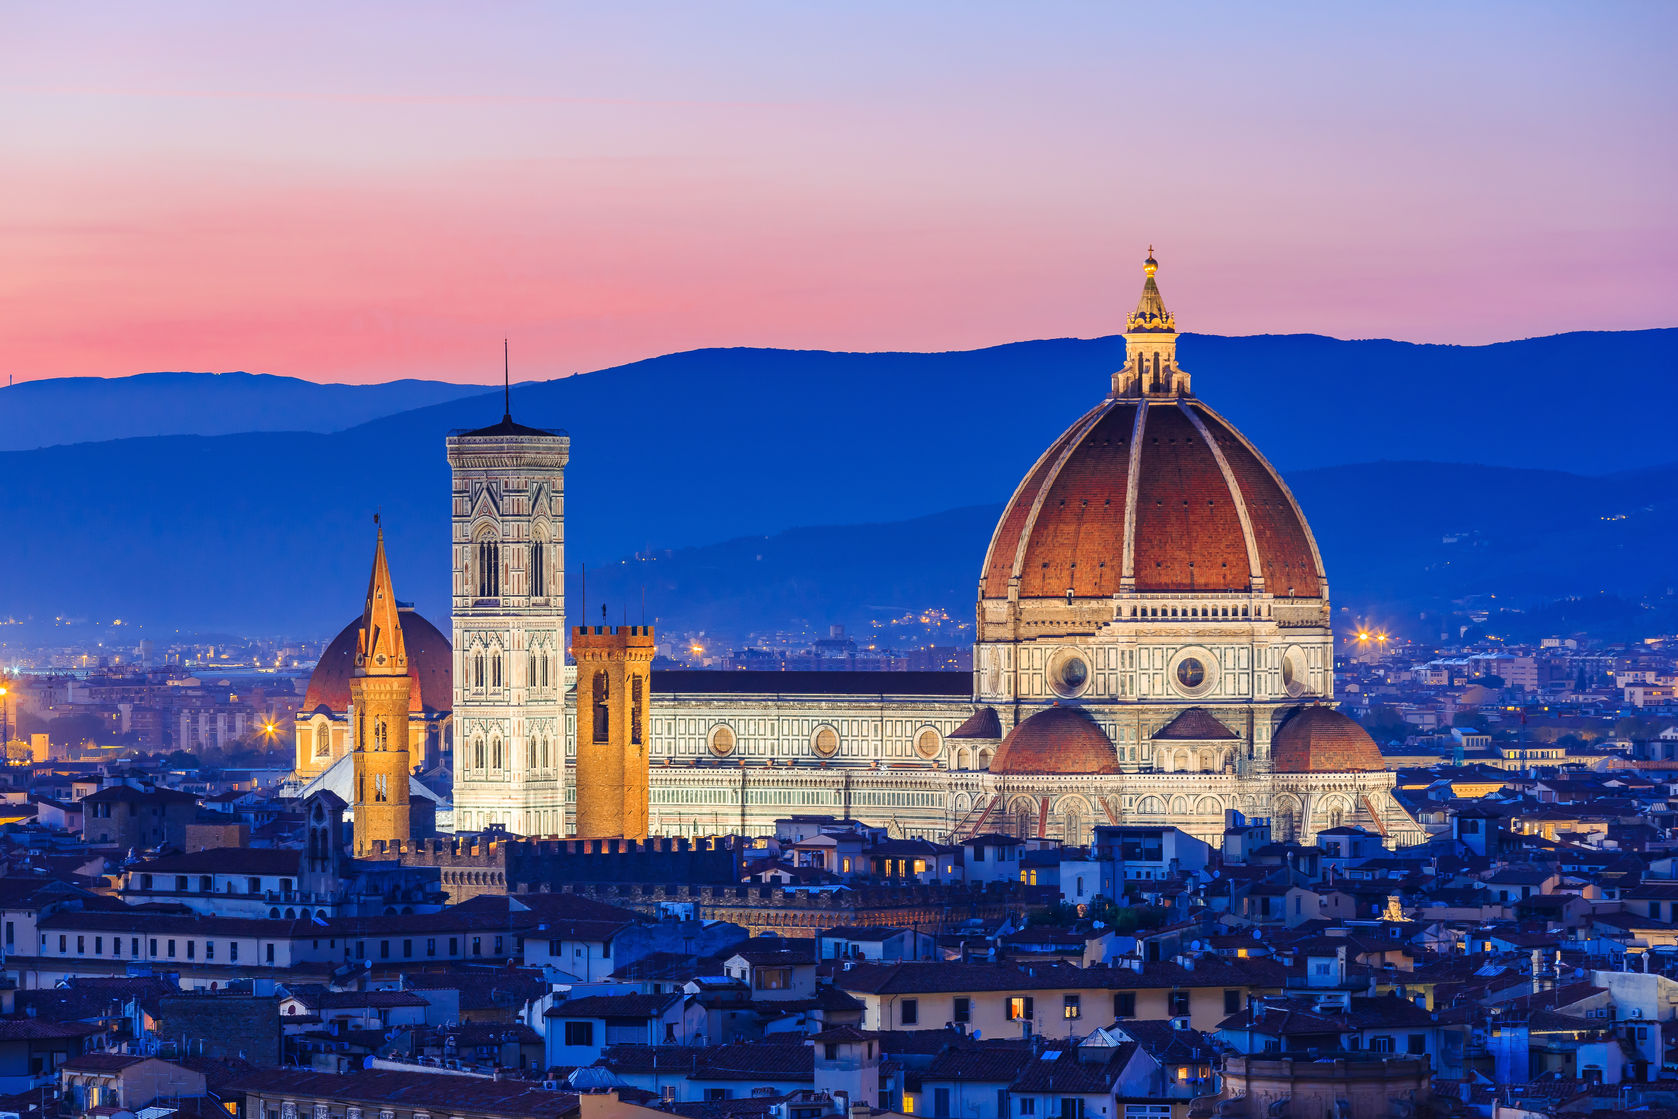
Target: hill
{"x":89,"y":409}
{"x":269,"y":531}
{"x":1398,"y":538}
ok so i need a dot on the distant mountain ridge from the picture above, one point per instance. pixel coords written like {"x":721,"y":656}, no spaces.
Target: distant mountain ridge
{"x":270,"y":531}
{"x":63,"y":410}
{"x":1438,"y":532}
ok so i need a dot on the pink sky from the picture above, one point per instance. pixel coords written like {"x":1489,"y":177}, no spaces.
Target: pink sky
{"x":356,"y":193}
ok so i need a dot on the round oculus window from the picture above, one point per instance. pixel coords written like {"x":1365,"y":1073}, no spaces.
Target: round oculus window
{"x":722,"y":741}
{"x":1295,"y":672}
{"x":1193,"y":672}
{"x":826,"y":742}
{"x":927,"y":744}
{"x":1069,"y":673}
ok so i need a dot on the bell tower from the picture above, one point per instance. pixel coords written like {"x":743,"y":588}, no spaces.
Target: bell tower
{"x":614,"y":686}
{"x":509,"y":627}
{"x":380,"y":693}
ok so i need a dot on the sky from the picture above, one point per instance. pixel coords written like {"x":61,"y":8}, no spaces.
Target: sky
{"x":359,"y":192}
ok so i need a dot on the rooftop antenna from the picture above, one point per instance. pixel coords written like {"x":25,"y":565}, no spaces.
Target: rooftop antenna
{"x":506,"y":382}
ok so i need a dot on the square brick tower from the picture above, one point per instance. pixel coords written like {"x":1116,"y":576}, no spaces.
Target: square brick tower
{"x":614,"y":685}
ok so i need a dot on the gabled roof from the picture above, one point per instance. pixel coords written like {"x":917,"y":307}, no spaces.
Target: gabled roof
{"x":983,"y":723}
{"x":1195,"y":725}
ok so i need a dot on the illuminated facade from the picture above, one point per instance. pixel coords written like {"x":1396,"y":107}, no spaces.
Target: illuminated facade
{"x":508,"y":502}
{"x":1153,"y":646}
{"x":380,"y":693}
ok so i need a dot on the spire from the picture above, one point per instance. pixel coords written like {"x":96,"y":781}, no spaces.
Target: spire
{"x":379,"y":648}
{"x":506,"y":383}
{"x":1150,"y":313}
{"x":1150,"y":345}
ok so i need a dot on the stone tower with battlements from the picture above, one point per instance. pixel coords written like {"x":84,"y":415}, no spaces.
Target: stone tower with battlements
{"x":380,"y":693}
{"x":508,"y":551}
{"x":614,"y":687}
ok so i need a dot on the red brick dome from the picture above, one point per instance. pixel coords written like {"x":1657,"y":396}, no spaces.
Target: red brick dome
{"x":430,"y":663}
{"x":1079,"y":519}
{"x":1320,"y":739}
{"x":1056,"y":740}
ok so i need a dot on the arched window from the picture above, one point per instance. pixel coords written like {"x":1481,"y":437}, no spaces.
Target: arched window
{"x":497,"y":758}
{"x":602,"y":710}
{"x":381,"y":734}
{"x":381,"y":791}
{"x":478,"y":753}
{"x":489,"y":569}
{"x":495,"y":669}
{"x":323,"y":741}
{"x":478,"y":669}
{"x":547,"y":662}
{"x":635,"y":710}
{"x":538,"y":568}
{"x":532,"y":677}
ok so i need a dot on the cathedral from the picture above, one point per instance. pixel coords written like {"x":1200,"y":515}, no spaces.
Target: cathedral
{"x":1153,"y":646}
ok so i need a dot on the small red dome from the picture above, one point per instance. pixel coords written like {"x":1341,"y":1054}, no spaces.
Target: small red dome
{"x":1320,"y":739}
{"x":430,"y":664}
{"x":1056,"y":740}
{"x":1069,"y":522}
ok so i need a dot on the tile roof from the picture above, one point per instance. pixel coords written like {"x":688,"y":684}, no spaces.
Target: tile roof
{"x":422,"y":1090}
{"x":983,"y":1061}
{"x":1195,"y":724}
{"x":681,"y":681}
{"x":613,"y":1006}
{"x":225,"y":860}
{"x":770,"y":1060}
{"x":1069,"y":1072}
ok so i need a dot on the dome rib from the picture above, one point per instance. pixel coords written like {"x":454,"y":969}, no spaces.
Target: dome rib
{"x":997,"y":579}
{"x":1255,"y":572}
{"x":1188,"y":538}
{"x":1132,"y":486}
{"x":1291,"y":563}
